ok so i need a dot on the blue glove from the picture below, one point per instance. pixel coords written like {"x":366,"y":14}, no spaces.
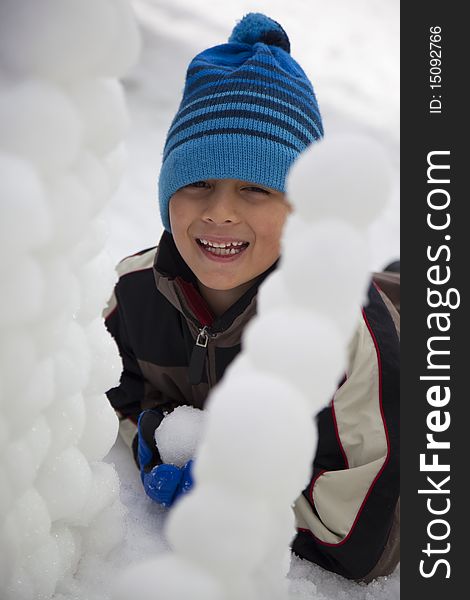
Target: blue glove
{"x":163,"y":483}
{"x":186,"y":481}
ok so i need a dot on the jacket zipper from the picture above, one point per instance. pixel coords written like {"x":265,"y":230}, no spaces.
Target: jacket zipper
{"x":197,"y":361}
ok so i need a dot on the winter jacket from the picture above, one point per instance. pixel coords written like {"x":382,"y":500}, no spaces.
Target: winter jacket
{"x":174,"y":351}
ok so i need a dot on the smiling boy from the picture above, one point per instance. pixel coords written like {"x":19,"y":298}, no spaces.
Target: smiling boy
{"x":179,"y":309}
{"x":228,"y":233}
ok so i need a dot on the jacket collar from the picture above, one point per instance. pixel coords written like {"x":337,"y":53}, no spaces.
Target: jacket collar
{"x":176,"y":281}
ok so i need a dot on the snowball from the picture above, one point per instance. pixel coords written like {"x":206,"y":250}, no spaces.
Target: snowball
{"x":65,"y":482}
{"x":37,"y":395}
{"x":125,"y":49}
{"x":38,"y":438}
{"x":8,"y":494}
{"x":3,"y":427}
{"x":23,"y":291}
{"x":10,"y":541}
{"x":101,"y":427}
{"x":242,"y":363}
{"x":103,"y":492}
{"x":48,"y":333}
{"x":168,"y":577}
{"x":245,"y":415}
{"x":97,"y":278}
{"x":106,"y":531}
{"x":69,"y":545}
{"x":272,"y":293}
{"x":73,"y":363}
{"x":5,"y":568}
{"x":281,"y":536}
{"x":114,"y":163}
{"x":344,"y":176}
{"x":20,"y":585}
{"x":25,"y":221}
{"x":43,"y":568}
{"x":220,"y":529}
{"x":302,"y":347}
{"x":91,"y":243}
{"x":24,"y":455}
{"x":271,"y":584}
{"x":38,"y":122}
{"x":62,"y":291}
{"x":92,"y":174}
{"x":270,"y":579}
{"x":32,"y":521}
{"x":294,"y":226}
{"x":19,"y":465}
{"x":66,"y":39}
{"x":66,"y":419}
{"x":177,"y":437}
{"x":326,"y":270}
{"x":71,"y":210}
{"x":18,"y":355}
{"x":103,"y":112}
{"x":241,"y":587}
{"x":106,"y":361}
{"x":269,"y":576}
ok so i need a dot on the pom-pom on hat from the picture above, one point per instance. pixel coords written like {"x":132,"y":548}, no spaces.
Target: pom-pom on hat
{"x":248,"y":110}
{"x":256,"y":27}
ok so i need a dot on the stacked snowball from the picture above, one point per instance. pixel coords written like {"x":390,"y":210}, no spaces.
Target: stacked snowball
{"x":231,"y":535}
{"x":62,"y":119}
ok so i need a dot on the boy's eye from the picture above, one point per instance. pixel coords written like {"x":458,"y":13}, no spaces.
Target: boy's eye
{"x":253,"y":188}
{"x":197,"y":184}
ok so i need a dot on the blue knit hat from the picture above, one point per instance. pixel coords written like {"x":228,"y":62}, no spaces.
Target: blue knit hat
{"x":247,"y":112}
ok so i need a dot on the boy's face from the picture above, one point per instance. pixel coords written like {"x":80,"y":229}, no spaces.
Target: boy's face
{"x":227,"y":231}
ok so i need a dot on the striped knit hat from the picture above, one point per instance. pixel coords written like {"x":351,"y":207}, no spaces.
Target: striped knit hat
{"x":247,"y":112}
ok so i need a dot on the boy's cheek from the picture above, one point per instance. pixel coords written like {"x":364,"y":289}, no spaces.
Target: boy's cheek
{"x":271,"y":234}
{"x":179,"y":211}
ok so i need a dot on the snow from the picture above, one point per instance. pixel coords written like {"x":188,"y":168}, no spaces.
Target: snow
{"x":278,"y":357}
{"x":23,"y":200}
{"x":94,"y":38}
{"x":102,"y":428}
{"x":50,"y":135}
{"x":64,"y":482}
{"x":213,"y":529}
{"x":60,"y":504}
{"x":101,"y":106}
{"x":64,"y":531}
{"x":196,"y":584}
{"x":251,"y":410}
{"x":345,"y":184}
{"x":144,"y":540}
{"x":343,"y":254}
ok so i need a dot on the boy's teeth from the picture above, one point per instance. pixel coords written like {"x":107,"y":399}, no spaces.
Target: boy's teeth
{"x":221,"y":244}
{"x":222,"y":249}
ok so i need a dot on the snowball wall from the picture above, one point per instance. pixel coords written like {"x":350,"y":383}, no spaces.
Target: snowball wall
{"x":62,"y":121}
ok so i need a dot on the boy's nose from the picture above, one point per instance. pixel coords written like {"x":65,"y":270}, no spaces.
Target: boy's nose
{"x":221,"y":208}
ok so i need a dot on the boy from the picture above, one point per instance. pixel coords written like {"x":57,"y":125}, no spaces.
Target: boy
{"x":179,"y":310}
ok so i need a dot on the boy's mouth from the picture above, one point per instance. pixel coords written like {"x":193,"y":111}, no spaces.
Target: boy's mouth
{"x":222,"y":249}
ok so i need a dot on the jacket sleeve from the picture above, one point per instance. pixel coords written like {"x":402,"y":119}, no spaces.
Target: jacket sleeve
{"x":348,"y":517}
{"x":127,"y":397}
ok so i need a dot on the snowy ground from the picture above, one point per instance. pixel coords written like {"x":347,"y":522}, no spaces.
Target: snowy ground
{"x":350,"y":51}
{"x":144,"y":539}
